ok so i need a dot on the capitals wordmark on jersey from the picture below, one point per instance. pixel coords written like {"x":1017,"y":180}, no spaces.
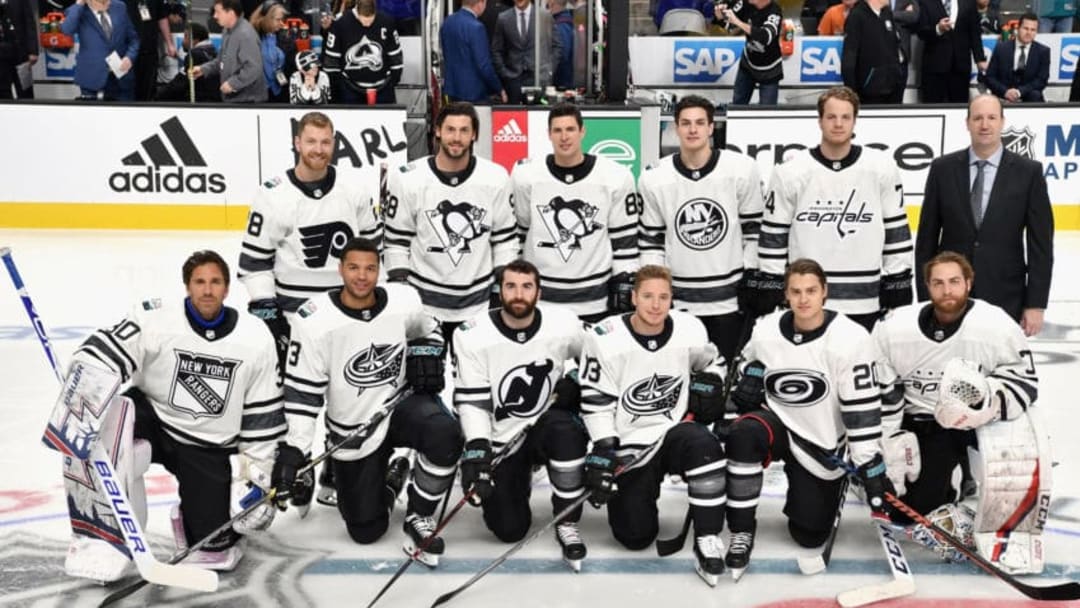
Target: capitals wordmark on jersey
{"x":376,"y":365}
{"x":456,"y":224}
{"x":656,"y":395}
{"x":701,"y":223}
{"x":567,"y":221}
{"x":320,"y":241}
{"x":524,"y":390}
{"x":202,"y":383}
{"x":797,"y":387}
{"x":846,"y":215}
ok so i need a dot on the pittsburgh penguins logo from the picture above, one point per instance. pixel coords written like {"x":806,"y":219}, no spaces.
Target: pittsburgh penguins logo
{"x":701,"y":223}
{"x":796,"y":387}
{"x":656,"y":395}
{"x":524,"y":390}
{"x":456,"y":225}
{"x":202,"y":383}
{"x":322,"y":241}
{"x":364,"y":55}
{"x":374,"y":366}
{"x":567,"y":221}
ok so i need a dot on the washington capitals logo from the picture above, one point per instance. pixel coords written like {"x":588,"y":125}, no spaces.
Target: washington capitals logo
{"x":366,"y":54}
{"x":376,"y":365}
{"x":202,"y":383}
{"x":656,"y":395}
{"x":524,"y":390}
{"x":456,"y":225}
{"x":567,"y":221}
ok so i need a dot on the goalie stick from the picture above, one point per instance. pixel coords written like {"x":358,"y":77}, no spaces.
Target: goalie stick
{"x":902,"y":583}
{"x":106,"y":480}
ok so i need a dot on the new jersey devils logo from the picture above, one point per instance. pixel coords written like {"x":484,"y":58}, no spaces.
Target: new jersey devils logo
{"x":567,"y":221}
{"x":374,"y":366}
{"x":524,"y":390}
{"x":456,"y":224}
{"x":656,"y":395}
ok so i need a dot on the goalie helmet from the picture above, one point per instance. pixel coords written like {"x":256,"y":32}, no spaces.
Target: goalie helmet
{"x":305,"y":60}
{"x":964,"y":400}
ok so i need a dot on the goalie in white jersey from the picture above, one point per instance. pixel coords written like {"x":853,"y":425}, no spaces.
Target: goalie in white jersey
{"x":842,"y":205}
{"x":807,"y":397}
{"x":354,"y":351}
{"x":204,"y":382}
{"x":510,"y":381}
{"x":578,"y":214}
{"x":638,"y":382}
{"x":955,"y":367}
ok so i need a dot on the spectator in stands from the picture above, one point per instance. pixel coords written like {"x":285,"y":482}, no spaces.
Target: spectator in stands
{"x":706,"y":7}
{"x":103,"y":28}
{"x":906,"y":19}
{"x":562,"y":45}
{"x":406,"y":13}
{"x":268,"y":20}
{"x":949,"y":44}
{"x":240,"y":65}
{"x":363,"y":53}
{"x":1055,"y":16}
{"x":761,"y":64}
{"x":989,"y":22}
{"x":18,"y":48}
{"x":202,"y":51}
{"x":151,"y":21}
{"x":309,"y":85}
{"x":1019,"y":69}
{"x":871,"y":58}
{"x":832,"y":22}
{"x":513,"y":49}
{"x":468,"y":72}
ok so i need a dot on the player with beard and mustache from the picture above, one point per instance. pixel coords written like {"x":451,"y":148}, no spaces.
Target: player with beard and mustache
{"x":509,"y":379}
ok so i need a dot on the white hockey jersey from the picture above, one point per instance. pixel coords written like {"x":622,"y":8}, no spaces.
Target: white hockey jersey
{"x":848,"y":215}
{"x":635,"y":387}
{"x":295,"y":236}
{"x":351,"y":361}
{"x":209,"y":387}
{"x":821,"y":385}
{"x":703,"y":224}
{"x":913,"y":349}
{"x":579,"y":227}
{"x":450,"y":231}
{"x":505,"y":377}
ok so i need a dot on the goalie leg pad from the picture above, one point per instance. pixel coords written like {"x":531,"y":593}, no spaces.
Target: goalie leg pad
{"x":249,"y":487}
{"x":80,"y":410}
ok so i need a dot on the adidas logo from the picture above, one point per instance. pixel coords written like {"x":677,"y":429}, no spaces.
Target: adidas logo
{"x":164,"y":173}
{"x":510,"y":133}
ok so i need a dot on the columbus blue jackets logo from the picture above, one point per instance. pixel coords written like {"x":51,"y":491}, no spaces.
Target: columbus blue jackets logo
{"x":364,"y":55}
{"x":374,"y":366}
{"x":202,"y":383}
{"x":457,"y":225}
{"x":1019,"y":141}
{"x":567,"y":221}
{"x":653,"y":396}
{"x":701,"y":223}
{"x":524,"y":390}
{"x":796,"y":387}
{"x":322,"y":241}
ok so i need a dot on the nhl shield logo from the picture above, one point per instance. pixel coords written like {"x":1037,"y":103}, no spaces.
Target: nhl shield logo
{"x":374,"y":366}
{"x":567,"y":221}
{"x":524,"y":390}
{"x":456,"y":225}
{"x":1019,"y":141}
{"x":202,"y":383}
{"x":701,"y":223}
{"x":653,"y":396}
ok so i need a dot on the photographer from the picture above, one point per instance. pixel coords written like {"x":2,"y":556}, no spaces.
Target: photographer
{"x":760,"y":65}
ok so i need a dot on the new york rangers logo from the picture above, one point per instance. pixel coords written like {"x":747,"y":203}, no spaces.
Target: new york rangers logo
{"x":374,"y":366}
{"x":653,"y":396}
{"x":524,"y":390}
{"x":567,"y":221}
{"x":202,"y":383}
{"x":456,"y":225}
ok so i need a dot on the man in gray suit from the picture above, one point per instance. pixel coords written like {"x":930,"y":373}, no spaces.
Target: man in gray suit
{"x":906,"y":17}
{"x":513,"y":49}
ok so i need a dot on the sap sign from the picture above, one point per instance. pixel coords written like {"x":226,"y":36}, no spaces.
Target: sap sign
{"x":821,"y":60}
{"x":705,"y":60}
{"x":1070,"y":54}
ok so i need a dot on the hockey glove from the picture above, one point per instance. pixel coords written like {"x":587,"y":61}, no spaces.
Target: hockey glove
{"x":749,"y":394}
{"x":706,"y":401}
{"x":876,"y":483}
{"x":568,"y":393}
{"x":760,"y":293}
{"x":476,"y":471}
{"x":425,"y":369}
{"x":620,"y":288}
{"x":283,"y":478}
{"x":895,"y":290}
{"x":600,"y":471}
{"x":398,"y":275}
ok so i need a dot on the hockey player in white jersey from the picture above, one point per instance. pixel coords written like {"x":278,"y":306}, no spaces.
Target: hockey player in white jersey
{"x":807,"y":396}
{"x":510,"y":379}
{"x":355,"y":350}
{"x":449,"y":223}
{"x":842,"y":205}
{"x":578,"y":216}
{"x":951,"y":368}
{"x":203,"y":380}
{"x":638,"y":381}
{"x":701,"y":215}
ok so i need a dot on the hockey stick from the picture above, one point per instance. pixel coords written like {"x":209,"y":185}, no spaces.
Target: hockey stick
{"x":105,"y":478}
{"x":902,"y":583}
{"x":817,"y":563}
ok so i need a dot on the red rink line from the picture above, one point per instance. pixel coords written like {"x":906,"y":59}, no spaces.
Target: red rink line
{"x":908,"y":602}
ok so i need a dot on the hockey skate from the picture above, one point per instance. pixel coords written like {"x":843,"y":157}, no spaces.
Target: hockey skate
{"x":417,"y":529}
{"x":709,"y":558}
{"x":327,"y":494}
{"x":222,"y":561}
{"x":573,"y":548}
{"x":96,"y":560}
{"x":738,"y":556}
{"x":396,"y":474}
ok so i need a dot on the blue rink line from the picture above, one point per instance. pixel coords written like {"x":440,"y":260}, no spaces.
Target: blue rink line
{"x":5,"y":523}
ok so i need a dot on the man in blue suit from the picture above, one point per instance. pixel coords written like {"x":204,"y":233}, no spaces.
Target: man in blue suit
{"x":103,"y":27}
{"x":1019,"y":69}
{"x":468,"y":72}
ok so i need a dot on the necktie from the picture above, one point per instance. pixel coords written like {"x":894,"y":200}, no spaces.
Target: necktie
{"x":106,"y":25}
{"x":977,"y":192}
{"x":521,"y":25}
{"x":1020,"y":65}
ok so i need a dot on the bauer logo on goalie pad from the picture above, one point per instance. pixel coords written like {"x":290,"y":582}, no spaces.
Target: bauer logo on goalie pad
{"x":701,"y":223}
{"x":524,"y":390}
{"x":656,"y":395}
{"x":376,"y":365}
{"x":796,"y":387}
{"x":567,"y":221}
{"x":456,"y":225}
{"x":202,"y":383}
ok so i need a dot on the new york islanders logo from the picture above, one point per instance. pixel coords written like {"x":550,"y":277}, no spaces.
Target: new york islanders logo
{"x":374,"y":366}
{"x":202,"y":383}
{"x":656,"y":395}
{"x":456,"y":225}
{"x":701,"y":223}
{"x":567,"y":221}
{"x":524,"y":390}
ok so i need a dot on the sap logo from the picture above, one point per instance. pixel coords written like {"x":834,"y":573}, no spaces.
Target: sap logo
{"x":705,"y":61}
{"x":1070,"y":55}
{"x":820,"y":61}
{"x":60,"y":63}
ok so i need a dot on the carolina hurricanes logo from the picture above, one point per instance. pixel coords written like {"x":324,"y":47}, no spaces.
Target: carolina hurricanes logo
{"x":456,"y":225}
{"x":524,"y":390}
{"x":796,"y":387}
{"x":366,"y":54}
{"x":656,"y":395}
{"x":567,"y":221}
{"x":374,"y":366}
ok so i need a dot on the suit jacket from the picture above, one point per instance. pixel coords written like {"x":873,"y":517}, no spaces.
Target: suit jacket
{"x":468,"y":73}
{"x":1017,"y":224}
{"x":908,"y":22}
{"x":870,"y":62}
{"x":512,"y":54}
{"x":952,"y":51}
{"x":1001,"y":75}
{"x":91,"y":72}
{"x":24,"y":19}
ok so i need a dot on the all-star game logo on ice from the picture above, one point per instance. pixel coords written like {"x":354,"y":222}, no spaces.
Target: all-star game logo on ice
{"x":163,"y":173}
{"x":567,"y":221}
{"x":202,"y":383}
{"x":524,"y":390}
{"x":457,"y":225}
{"x":376,"y":365}
{"x":656,"y":395}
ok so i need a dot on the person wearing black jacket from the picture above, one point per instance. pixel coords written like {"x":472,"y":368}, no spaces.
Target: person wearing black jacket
{"x":871,"y":60}
{"x":949,"y":43}
{"x":18,"y":45}
{"x":363,"y":52}
{"x":761,"y":63}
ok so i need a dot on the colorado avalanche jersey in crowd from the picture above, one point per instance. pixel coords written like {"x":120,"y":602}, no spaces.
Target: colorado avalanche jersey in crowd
{"x":450,"y":230}
{"x":703,"y":224}
{"x":366,"y":57}
{"x":210,"y":387}
{"x":914,"y":348}
{"x":505,"y":377}
{"x":635,"y":387}
{"x":848,"y":215}
{"x":295,"y":235}
{"x":351,"y":361}
{"x":579,"y":226}
{"x":821,"y":385}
